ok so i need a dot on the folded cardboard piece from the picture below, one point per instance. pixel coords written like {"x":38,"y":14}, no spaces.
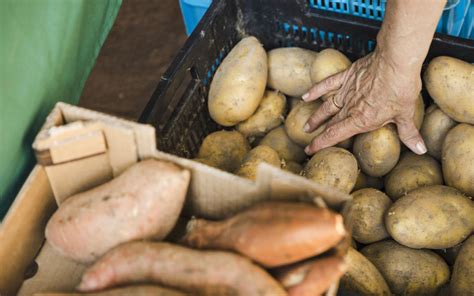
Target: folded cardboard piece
{"x":78,"y":149}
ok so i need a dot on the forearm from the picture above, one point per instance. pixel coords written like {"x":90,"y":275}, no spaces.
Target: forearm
{"x":407,"y":31}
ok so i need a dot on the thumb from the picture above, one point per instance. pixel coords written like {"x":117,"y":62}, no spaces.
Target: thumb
{"x":410,"y":136}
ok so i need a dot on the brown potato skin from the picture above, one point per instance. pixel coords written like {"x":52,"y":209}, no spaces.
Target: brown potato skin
{"x":269,"y":115}
{"x":197,"y":272}
{"x":135,"y":290}
{"x":288,"y":150}
{"x":362,"y":277}
{"x":288,"y":70}
{"x":292,"y":167}
{"x":143,"y":202}
{"x":377,"y":151}
{"x":458,"y":158}
{"x":239,"y":83}
{"x":411,"y":172}
{"x":311,"y":277}
{"x":365,"y":213}
{"x":270,"y":233}
{"x":462,"y":281}
{"x":296,"y":120}
{"x":450,"y":82}
{"x":333,"y":166}
{"x":257,"y":155}
{"x":224,"y":150}
{"x":433,"y":217}
{"x":408,"y":271}
{"x":436,"y":126}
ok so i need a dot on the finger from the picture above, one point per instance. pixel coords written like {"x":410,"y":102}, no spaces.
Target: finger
{"x":326,"y":110}
{"x":334,"y":134}
{"x":331,"y":83}
{"x":410,"y":136}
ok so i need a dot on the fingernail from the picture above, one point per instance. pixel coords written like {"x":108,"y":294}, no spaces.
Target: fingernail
{"x":420,"y":148}
{"x":306,"y":128}
{"x":305,"y":96}
{"x":87,"y":285}
{"x":306,"y":150}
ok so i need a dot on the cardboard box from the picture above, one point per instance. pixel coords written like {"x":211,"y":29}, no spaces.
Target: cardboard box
{"x":110,"y":145}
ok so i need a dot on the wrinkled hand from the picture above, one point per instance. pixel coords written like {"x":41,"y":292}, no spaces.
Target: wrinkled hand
{"x":368,"y":95}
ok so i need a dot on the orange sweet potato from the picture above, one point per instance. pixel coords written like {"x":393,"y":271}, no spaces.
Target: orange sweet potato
{"x":143,"y":202}
{"x":311,"y":277}
{"x":198,"y":272}
{"x":271,"y":233}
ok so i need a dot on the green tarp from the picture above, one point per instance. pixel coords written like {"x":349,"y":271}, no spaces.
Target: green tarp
{"x":47,"y":50}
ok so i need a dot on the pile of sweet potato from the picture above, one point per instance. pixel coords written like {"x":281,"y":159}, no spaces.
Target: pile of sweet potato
{"x":270,"y":248}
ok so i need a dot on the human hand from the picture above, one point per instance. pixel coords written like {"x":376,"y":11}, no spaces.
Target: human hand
{"x":371,"y":93}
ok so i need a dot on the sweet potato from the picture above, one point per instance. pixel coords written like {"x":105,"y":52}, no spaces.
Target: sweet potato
{"x":270,"y":233}
{"x":143,"y":202}
{"x":311,"y":277}
{"x":199,"y":272}
{"x":138,"y":290}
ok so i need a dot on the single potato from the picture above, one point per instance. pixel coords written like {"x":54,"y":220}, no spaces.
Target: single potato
{"x":327,"y":63}
{"x":293,"y":167}
{"x":458,"y":158}
{"x":224,"y":150}
{"x":408,"y":271}
{"x":362,"y":277}
{"x":377,"y":151}
{"x":462,"y":281}
{"x":413,"y":171}
{"x":433,"y":217}
{"x":333,"y":166}
{"x":436,"y":126}
{"x":365,"y":213}
{"x":268,"y":115}
{"x":288,"y":150}
{"x":296,"y":120}
{"x":256,"y":156}
{"x":450,"y":82}
{"x":288,"y":70}
{"x":239,"y":83}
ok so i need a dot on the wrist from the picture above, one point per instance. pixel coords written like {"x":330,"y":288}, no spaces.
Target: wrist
{"x":400,"y":59}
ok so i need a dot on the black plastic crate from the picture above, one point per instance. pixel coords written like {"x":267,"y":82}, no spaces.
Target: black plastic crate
{"x":178,"y":107}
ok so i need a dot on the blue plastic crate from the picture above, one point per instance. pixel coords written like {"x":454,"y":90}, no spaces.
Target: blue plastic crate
{"x":457,"y":19}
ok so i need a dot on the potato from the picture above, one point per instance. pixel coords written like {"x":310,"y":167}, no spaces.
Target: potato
{"x":293,"y":101}
{"x":195,"y":272}
{"x":333,"y":166}
{"x":239,"y":83}
{"x":327,"y":63}
{"x":434,"y":129}
{"x":377,"y":151}
{"x":450,"y":82}
{"x":411,"y":172}
{"x":270,"y":233}
{"x":364,"y":181}
{"x":458,"y":158}
{"x":408,"y":271}
{"x":257,"y":155}
{"x":268,"y":115}
{"x":224,"y":150}
{"x":365,"y":213}
{"x":296,"y":120}
{"x":285,"y":147}
{"x":419,"y":111}
{"x":433,"y":217}
{"x":143,"y":202}
{"x":362,"y":277}
{"x":288,"y":70}
{"x":292,"y":167}
{"x":462,"y":281}
{"x":311,"y":277}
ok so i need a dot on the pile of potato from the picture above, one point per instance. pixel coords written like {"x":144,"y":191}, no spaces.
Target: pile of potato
{"x":409,"y":212}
